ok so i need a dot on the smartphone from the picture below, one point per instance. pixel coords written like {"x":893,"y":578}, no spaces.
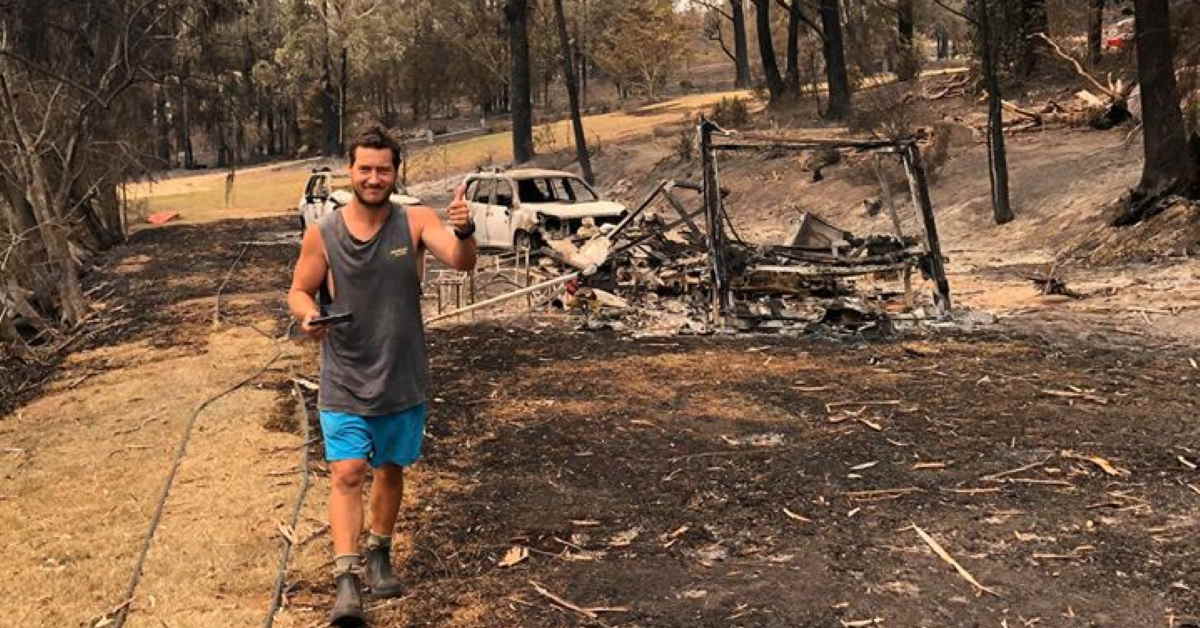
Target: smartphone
{"x":332,"y":319}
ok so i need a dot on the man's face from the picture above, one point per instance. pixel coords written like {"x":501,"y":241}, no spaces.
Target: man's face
{"x":373,"y":176}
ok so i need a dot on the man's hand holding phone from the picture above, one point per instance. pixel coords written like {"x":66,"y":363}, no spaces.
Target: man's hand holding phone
{"x":317,"y":326}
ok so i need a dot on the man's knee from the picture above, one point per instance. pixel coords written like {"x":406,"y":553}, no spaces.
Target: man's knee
{"x":348,"y":475}
{"x":390,"y":474}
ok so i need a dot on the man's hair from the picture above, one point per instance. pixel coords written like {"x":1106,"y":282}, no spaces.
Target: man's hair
{"x":375,"y":137}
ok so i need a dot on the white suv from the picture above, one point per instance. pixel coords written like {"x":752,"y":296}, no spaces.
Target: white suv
{"x":516,"y":209}
{"x":328,"y":191}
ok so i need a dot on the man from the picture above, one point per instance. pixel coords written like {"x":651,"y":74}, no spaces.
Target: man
{"x":373,"y":368}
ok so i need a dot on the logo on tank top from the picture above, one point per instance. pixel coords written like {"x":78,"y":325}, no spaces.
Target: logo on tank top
{"x":399,"y":253}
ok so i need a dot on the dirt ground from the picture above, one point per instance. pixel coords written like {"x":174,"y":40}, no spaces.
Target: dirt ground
{"x":752,"y":481}
{"x":749,"y":481}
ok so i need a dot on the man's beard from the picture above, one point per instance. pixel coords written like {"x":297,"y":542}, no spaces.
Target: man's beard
{"x":363,"y":202}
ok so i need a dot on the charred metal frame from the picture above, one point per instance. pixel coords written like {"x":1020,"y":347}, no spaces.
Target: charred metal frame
{"x":932,"y":264}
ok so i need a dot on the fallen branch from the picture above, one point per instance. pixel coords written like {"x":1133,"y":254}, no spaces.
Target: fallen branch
{"x":1069,"y":394}
{"x":838,"y":404}
{"x":1039,"y":481}
{"x":971,"y":491}
{"x":311,"y":537}
{"x":800,"y":518}
{"x":996,"y":476}
{"x":1034,"y":117}
{"x":1115,"y":92}
{"x":1098,"y":461}
{"x":1075,"y":553}
{"x":885,"y":493}
{"x":944,"y":555}
{"x":590,"y":613}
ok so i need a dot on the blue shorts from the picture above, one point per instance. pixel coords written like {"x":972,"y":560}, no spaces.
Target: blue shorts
{"x":386,"y":439}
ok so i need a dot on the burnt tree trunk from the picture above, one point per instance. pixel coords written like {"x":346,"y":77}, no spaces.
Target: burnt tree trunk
{"x":162,"y":127}
{"x":183,"y":128}
{"x":766,"y":49}
{"x":343,"y":97}
{"x":741,"y":47}
{"x":835,"y":61}
{"x":907,"y":64}
{"x":516,"y":12}
{"x":329,"y":113}
{"x":1034,"y":20}
{"x":997,"y":155}
{"x":793,"y":48}
{"x":1170,"y":167}
{"x":1095,"y":31}
{"x":581,"y":150}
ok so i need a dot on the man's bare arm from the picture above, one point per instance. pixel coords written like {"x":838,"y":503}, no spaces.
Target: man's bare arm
{"x":311,"y":270}
{"x":454,"y":252}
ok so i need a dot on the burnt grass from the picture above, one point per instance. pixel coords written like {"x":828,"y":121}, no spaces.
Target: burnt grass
{"x":547,"y":429}
{"x":568,"y":443}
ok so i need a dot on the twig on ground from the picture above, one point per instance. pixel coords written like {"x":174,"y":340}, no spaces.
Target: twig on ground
{"x":944,"y":555}
{"x":312,"y":536}
{"x":1032,"y":465}
{"x":800,"y":518}
{"x":1039,"y":481}
{"x":838,"y":404}
{"x":1105,"y":465}
{"x":1068,"y":394}
{"x":971,"y":491}
{"x":861,"y":623}
{"x":1075,"y":553}
{"x":306,"y":383}
{"x":590,"y":613}
{"x":885,"y":493}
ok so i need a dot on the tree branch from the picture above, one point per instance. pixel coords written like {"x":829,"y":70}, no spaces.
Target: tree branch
{"x":47,"y":72}
{"x":712,"y":6}
{"x":1107,"y":91}
{"x":970,"y":20}
{"x":794,"y":7}
{"x":46,"y":117}
{"x":718,"y":37}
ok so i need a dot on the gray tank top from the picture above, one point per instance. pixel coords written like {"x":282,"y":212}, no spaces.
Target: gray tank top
{"x":376,"y":363}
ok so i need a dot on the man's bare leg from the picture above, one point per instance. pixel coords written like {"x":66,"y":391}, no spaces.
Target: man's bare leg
{"x":387,"y":491}
{"x":345,"y":523}
{"x":346,"y":504}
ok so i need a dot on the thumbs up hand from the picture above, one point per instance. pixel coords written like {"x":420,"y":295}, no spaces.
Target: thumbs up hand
{"x":459,"y":213}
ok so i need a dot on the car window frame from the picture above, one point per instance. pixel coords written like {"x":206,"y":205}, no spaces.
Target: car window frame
{"x":571,"y":182}
{"x":563,"y":193}
{"x":310,"y":190}
{"x":513,"y":199}
{"x":483,"y":186}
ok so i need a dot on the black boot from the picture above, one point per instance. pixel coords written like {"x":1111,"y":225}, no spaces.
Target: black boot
{"x":348,"y":609}
{"x":379,"y":576}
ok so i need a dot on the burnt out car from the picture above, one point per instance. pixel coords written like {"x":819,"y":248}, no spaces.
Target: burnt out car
{"x":517,"y":209}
